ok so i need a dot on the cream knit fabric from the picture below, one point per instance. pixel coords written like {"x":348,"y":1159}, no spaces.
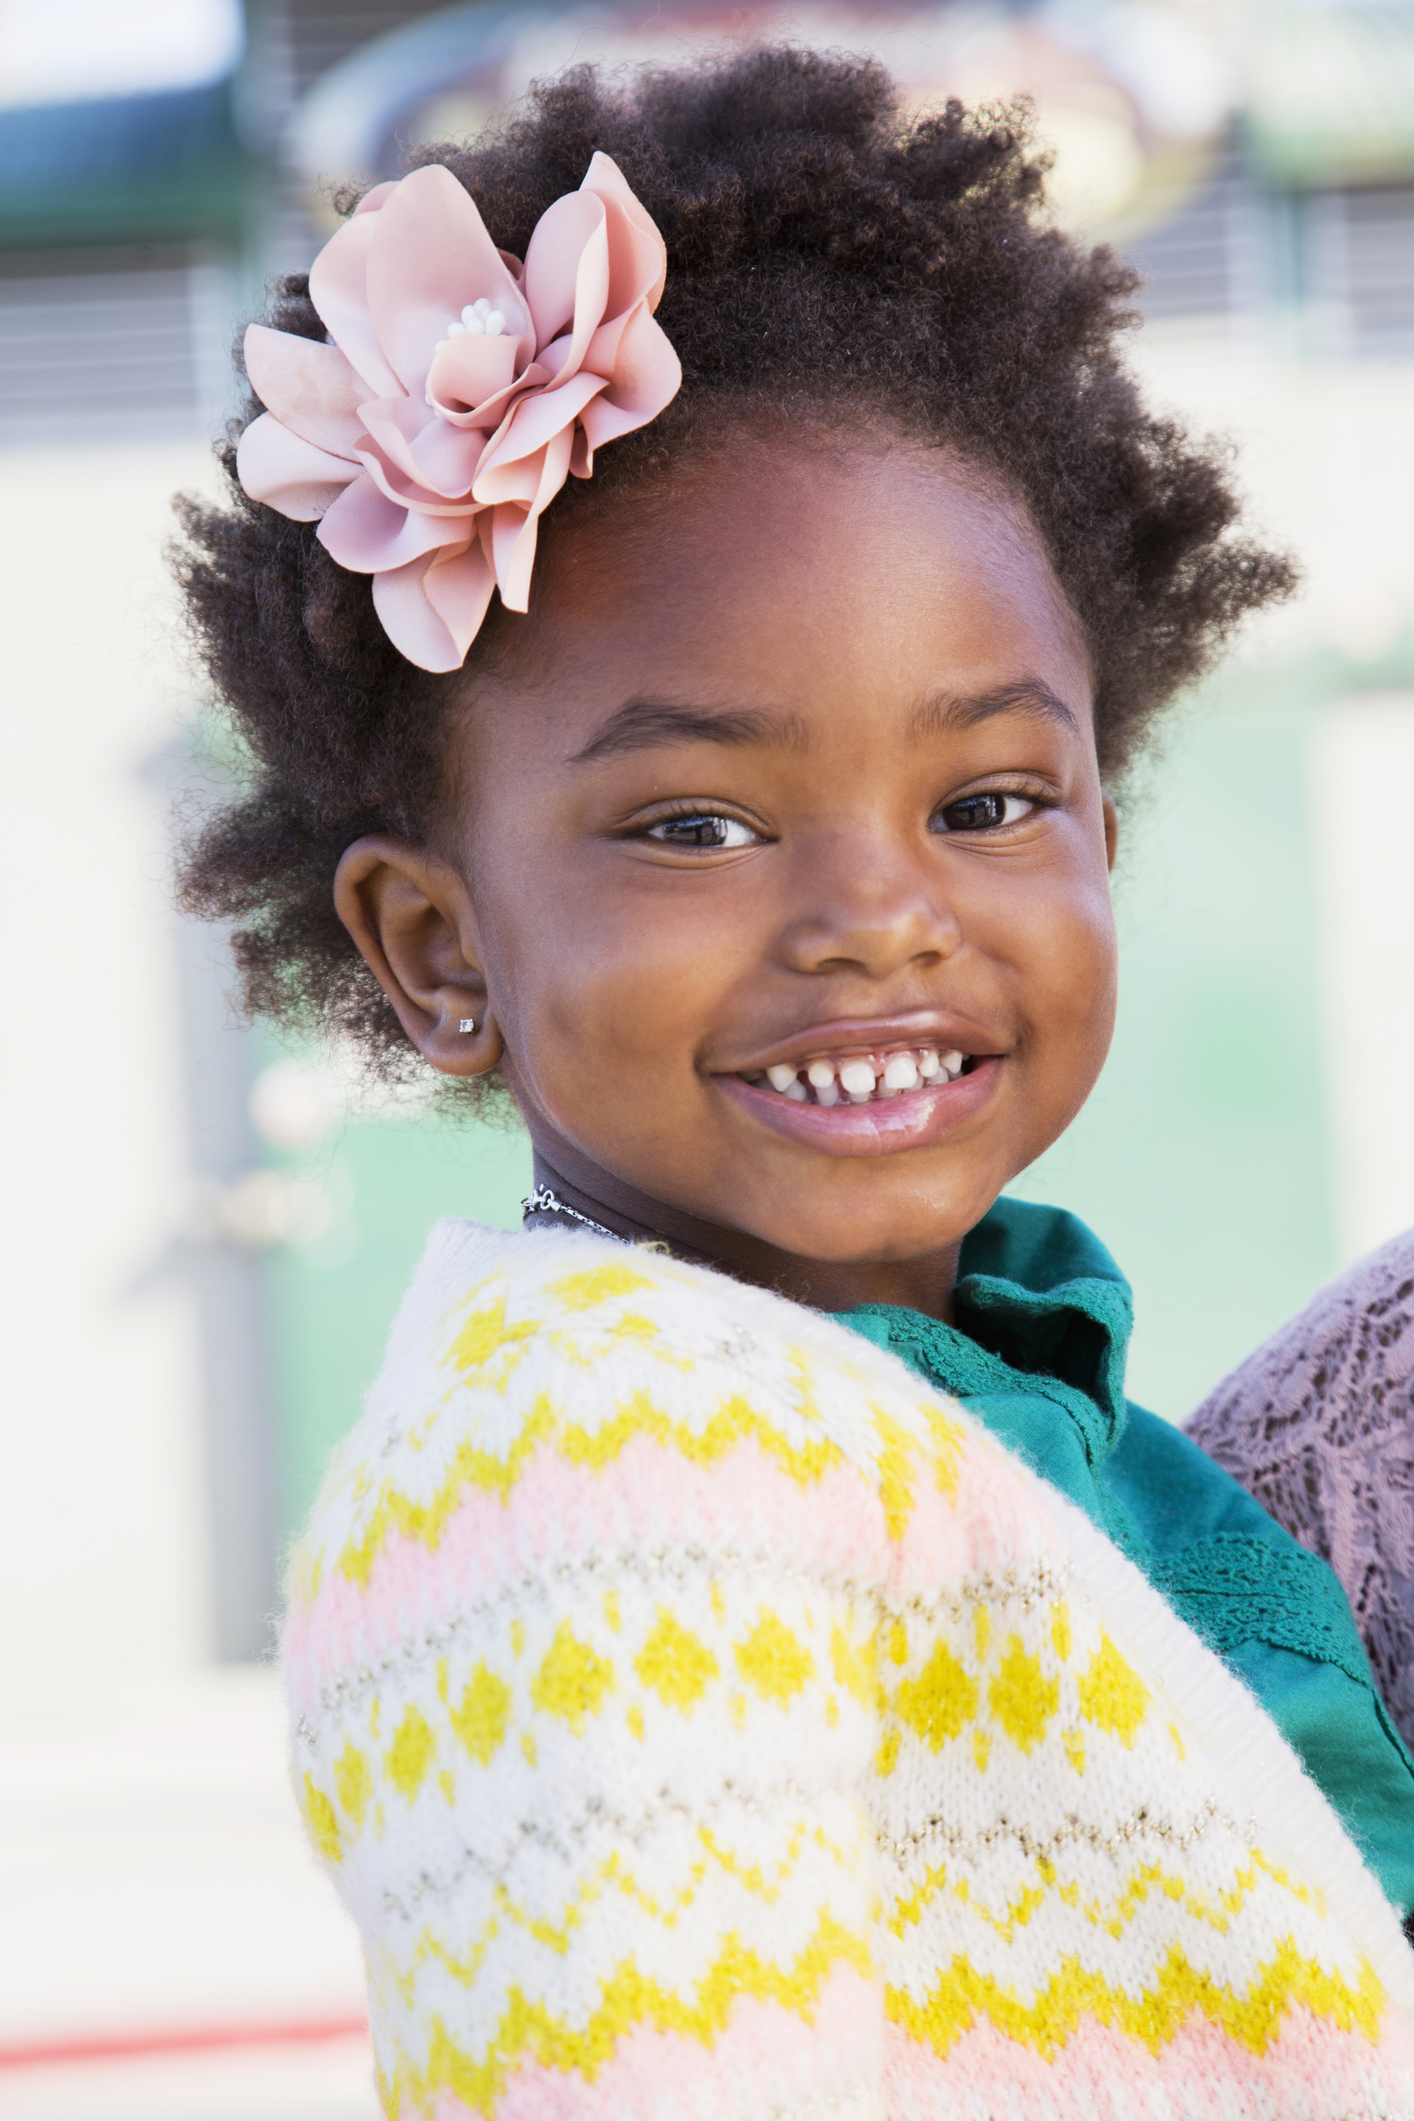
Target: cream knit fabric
{"x":700,"y":1719}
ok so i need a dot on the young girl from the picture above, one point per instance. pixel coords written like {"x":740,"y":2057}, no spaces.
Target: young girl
{"x":699,"y":571}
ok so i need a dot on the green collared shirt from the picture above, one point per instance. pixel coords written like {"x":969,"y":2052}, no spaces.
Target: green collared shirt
{"x":1037,"y":1353}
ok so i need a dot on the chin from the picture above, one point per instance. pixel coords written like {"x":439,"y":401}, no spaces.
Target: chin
{"x":849,"y":1239}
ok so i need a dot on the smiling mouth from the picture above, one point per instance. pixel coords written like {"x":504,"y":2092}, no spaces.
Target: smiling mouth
{"x":871,"y":1078}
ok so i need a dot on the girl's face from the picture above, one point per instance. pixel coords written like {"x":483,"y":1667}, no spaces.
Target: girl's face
{"x":785,"y":792}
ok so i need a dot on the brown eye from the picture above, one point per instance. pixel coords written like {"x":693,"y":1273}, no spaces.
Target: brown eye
{"x":981,"y":813}
{"x":702,"y":829}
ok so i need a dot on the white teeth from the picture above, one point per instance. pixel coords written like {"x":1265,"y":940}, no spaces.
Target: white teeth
{"x":857,"y":1080}
{"x":860,"y":1081}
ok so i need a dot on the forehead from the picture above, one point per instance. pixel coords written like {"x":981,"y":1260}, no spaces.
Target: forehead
{"x":811,"y":573}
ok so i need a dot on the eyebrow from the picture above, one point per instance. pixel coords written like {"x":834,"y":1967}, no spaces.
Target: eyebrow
{"x":948,"y":713}
{"x":642,"y":725}
{"x":645,"y":724}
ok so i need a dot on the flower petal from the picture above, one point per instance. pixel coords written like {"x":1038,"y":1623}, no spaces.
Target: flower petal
{"x":646,"y":376}
{"x":567,"y":276}
{"x":510,"y":469}
{"x":432,"y":609}
{"x":639,"y":256}
{"x":467,"y":371}
{"x":368,"y":533}
{"x":459,"y":586}
{"x":607,"y":181}
{"x":420,"y":460}
{"x":487,"y":416}
{"x":448,"y":458}
{"x":430,"y":256}
{"x":313,"y":390}
{"x":515,"y":527}
{"x":378,"y":196}
{"x":296,"y":477}
{"x":338,"y":289}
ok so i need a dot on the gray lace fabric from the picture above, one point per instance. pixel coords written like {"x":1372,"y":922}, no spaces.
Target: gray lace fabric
{"x":1318,"y":1425}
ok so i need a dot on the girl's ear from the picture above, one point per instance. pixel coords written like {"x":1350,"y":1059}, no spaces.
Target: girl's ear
{"x":411,"y":916}
{"x":1111,"y":828}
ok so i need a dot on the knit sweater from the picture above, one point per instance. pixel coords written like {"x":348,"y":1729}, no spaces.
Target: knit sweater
{"x":1038,"y":1355}
{"x":701,"y":1718}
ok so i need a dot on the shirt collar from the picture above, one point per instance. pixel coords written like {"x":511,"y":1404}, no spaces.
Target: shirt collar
{"x":1038,"y":1291}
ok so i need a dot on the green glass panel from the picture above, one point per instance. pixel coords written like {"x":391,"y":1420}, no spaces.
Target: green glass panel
{"x":382,"y":1185}
{"x":1201,"y":1159}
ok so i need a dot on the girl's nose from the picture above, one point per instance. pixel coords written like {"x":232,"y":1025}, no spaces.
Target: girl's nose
{"x":874,"y":915}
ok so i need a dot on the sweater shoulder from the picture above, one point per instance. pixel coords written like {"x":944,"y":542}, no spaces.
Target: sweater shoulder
{"x":521,"y":1359}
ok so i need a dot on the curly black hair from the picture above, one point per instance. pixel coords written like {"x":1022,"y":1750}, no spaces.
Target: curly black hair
{"x":823,"y":253}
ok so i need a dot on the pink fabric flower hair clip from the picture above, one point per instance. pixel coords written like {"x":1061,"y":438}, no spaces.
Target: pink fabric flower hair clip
{"x":456,"y":392}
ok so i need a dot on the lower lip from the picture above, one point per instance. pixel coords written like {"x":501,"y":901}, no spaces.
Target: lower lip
{"x":908,"y":1121}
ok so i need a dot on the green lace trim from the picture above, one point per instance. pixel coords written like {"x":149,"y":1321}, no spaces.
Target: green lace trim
{"x":1233,"y":1590}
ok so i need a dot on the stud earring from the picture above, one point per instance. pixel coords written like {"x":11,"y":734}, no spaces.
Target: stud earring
{"x":468,"y":1023}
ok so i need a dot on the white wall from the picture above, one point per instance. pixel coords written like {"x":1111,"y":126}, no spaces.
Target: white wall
{"x":103,"y":1508}
{"x":1362,"y":785}
{"x":1326,"y":457}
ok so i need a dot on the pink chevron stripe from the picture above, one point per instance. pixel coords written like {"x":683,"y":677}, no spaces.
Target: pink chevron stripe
{"x":651,"y":1494}
{"x":1310,"y":2072}
{"x":765,"y":2058}
{"x":991,"y":1525}
{"x":560,"y":1513}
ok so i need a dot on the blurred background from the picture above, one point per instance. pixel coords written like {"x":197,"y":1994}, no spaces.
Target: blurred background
{"x":207,"y":1235}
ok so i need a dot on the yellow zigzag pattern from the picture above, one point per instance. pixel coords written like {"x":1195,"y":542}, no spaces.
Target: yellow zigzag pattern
{"x":530,"y":2032}
{"x":486,"y":1334}
{"x":559,"y":1936}
{"x":1144,"y":1879}
{"x":1252,"y":2018}
{"x":732,"y":1424}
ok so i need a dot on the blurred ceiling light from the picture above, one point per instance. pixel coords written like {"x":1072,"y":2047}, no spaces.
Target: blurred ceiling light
{"x":297,"y":1102}
{"x":66,"y":51}
{"x":1098,"y":167}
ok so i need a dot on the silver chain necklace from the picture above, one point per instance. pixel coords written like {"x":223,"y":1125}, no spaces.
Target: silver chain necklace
{"x":545,"y":1202}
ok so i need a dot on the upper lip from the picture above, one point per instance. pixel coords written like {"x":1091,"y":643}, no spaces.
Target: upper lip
{"x":843,"y":1036}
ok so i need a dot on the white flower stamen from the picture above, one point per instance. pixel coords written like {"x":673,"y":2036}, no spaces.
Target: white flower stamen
{"x":478,"y":320}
